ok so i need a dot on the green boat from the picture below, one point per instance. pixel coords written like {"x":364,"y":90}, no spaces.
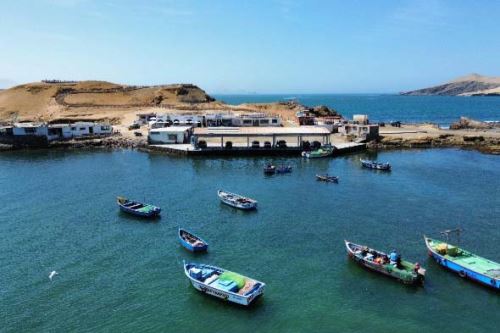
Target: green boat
{"x":466,"y":264}
{"x":401,"y":270}
{"x":324,"y":151}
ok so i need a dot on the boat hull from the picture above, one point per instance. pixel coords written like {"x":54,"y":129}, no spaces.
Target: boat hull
{"x":376,"y":166}
{"x":383,"y":269}
{"x":247,"y":206}
{"x":140,"y":214}
{"x":189,"y":246}
{"x":224,"y":295}
{"x":462,"y":271}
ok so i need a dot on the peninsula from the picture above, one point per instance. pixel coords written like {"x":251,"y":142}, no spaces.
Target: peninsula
{"x":469,"y":85}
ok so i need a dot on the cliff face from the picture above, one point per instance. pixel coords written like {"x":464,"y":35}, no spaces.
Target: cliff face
{"x":470,"y":85}
{"x":48,"y":100}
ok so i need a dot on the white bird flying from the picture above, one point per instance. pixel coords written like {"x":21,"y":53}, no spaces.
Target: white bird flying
{"x":52,"y":274}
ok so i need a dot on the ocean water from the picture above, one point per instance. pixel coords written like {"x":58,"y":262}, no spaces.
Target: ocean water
{"x":442,"y":110}
{"x":121,"y":274}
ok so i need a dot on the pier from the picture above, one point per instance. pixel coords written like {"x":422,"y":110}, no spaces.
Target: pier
{"x":243,"y":150}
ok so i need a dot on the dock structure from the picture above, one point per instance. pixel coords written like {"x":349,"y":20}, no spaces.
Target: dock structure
{"x":277,"y":137}
{"x":254,"y":141}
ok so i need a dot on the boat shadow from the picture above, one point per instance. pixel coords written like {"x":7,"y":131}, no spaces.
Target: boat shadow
{"x":208,"y":301}
{"x":369,"y":276}
{"x":225,"y":207}
{"x":129,"y":217}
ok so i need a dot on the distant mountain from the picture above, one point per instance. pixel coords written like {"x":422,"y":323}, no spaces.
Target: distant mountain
{"x":470,"y":85}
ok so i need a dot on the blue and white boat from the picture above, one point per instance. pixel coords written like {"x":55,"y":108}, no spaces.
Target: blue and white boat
{"x":236,"y":200}
{"x":223,"y":284}
{"x":192,"y":242}
{"x":284,"y":169}
{"x":465,"y":264}
{"x":137,"y":208}
{"x":375,"y":165}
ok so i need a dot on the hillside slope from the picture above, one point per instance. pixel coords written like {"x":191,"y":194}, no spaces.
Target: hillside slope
{"x":97,"y":99}
{"x":473,"y":84}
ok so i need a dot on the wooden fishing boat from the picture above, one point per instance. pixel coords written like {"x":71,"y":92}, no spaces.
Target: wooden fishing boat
{"x":318,"y":153}
{"x":284,"y":169}
{"x":223,"y":284}
{"x":192,"y":242}
{"x":269,"y":169}
{"x":327,"y":178}
{"x":378,"y":261}
{"x":375,"y":165}
{"x":137,"y":208}
{"x":236,"y":200}
{"x":465,"y":264}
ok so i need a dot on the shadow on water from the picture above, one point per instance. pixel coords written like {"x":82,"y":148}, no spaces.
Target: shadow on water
{"x":129,"y":217}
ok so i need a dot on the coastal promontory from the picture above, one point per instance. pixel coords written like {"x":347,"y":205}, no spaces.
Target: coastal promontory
{"x":470,"y":85}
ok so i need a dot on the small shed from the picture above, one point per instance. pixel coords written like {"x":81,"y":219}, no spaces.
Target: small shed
{"x":169,"y":135}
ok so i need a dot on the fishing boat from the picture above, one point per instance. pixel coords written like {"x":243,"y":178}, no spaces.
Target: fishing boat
{"x":192,"y":242}
{"x":236,"y":200}
{"x":137,"y":208}
{"x":284,"y":169}
{"x":327,"y":178}
{"x":378,"y":261}
{"x":465,"y":264}
{"x":375,"y":165}
{"x":223,"y":284}
{"x":324,"y":151}
{"x":269,"y":169}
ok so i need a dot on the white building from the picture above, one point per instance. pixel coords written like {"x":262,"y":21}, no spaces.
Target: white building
{"x":241,"y":120}
{"x":37,"y":129}
{"x":169,"y":135}
{"x":78,"y":129}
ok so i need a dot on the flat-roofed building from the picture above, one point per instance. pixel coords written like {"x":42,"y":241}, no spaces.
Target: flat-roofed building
{"x":170,"y":135}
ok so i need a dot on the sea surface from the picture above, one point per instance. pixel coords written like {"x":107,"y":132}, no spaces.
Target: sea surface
{"x":122,"y":274}
{"x":442,"y":110}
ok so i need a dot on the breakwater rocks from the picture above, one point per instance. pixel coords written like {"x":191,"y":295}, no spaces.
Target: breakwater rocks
{"x":106,"y":143}
{"x":485,"y":144}
{"x":114,"y":142}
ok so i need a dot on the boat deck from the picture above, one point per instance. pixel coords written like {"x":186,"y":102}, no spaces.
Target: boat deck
{"x":477,"y":264}
{"x":469,"y":260}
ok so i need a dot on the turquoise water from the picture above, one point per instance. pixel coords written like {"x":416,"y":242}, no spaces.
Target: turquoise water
{"x":120,"y":274}
{"x":442,"y":110}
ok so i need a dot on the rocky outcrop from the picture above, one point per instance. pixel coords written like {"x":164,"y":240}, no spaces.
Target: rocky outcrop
{"x":473,"y":84}
{"x":467,"y":123}
{"x":490,"y":145}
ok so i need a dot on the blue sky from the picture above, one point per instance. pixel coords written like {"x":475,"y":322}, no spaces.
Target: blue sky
{"x":229,"y":46}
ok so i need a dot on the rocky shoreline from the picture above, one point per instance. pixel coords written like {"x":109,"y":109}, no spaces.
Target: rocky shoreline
{"x":484,"y":144}
{"x":477,"y":141}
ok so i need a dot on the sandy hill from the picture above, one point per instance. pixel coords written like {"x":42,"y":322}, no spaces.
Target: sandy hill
{"x":93,"y":100}
{"x":470,"y":85}
{"x":57,"y":101}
